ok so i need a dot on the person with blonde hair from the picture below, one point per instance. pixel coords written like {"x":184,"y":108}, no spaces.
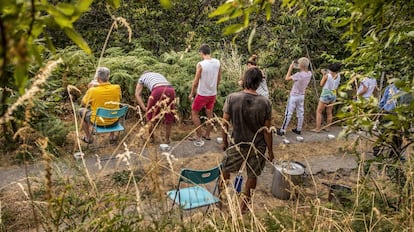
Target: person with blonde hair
{"x":296,"y":101}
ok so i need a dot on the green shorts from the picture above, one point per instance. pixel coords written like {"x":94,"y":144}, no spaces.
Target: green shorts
{"x":235,"y":156}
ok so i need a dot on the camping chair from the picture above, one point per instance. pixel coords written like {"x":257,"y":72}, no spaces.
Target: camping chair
{"x":195,"y":196}
{"x":109,"y":113}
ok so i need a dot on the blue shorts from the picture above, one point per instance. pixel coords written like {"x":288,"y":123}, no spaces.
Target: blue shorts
{"x":327,"y":99}
{"x":327,"y":96}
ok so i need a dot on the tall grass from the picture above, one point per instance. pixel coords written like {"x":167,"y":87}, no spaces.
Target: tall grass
{"x":134,"y":199}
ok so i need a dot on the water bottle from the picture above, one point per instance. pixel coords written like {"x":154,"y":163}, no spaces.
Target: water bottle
{"x":238,"y":181}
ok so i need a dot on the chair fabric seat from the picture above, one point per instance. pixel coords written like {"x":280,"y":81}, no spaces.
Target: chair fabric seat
{"x":107,"y":129}
{"x":192,"y":197}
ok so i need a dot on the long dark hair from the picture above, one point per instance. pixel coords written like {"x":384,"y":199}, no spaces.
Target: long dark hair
{"x":252,"y":78}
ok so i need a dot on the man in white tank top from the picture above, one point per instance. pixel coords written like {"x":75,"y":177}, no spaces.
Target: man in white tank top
{"x":207,"y":78}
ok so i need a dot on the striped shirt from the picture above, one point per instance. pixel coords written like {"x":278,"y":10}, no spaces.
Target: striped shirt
{"x":150,"y":79}
{"x":262,"y":89}
{"x":301,"y":80}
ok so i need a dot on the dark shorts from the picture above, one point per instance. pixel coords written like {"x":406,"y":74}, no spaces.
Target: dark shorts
{"x":85,"y":114}
{"x":235,"y":157}
{"x":201,"y":102}
{"x":162,"y":97}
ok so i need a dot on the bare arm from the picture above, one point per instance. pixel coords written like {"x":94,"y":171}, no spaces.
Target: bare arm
{"x":288,"y":76}
{"x":86,"y":99}
{"x":225,"y":130}
{"x":363,"y":90}
{"x":138,"y":92}
{"x":324,"y":77}
{"x":219,"y":76}
{"x":195,"y":82}
{"x":269,"y":140}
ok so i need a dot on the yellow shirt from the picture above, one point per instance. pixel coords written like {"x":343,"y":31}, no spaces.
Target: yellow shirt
{"x":97,"y":97}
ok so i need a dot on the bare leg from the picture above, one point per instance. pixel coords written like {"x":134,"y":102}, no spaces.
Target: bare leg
{"x":209,"y":114}
{"x":250,"y":185}
{"x":225,"y":176}
{"x":112,"y":136}
{"x":168,"y":132}
{"x":319,"y":111}
{"x":195,"y":116}
{"x":151,"y":131}
{"x":86,"y":129}
{"x":329,"y":114}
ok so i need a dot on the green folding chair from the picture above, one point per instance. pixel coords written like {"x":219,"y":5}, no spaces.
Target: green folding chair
{"x":195,"y":196}
{"x":103,"y":113}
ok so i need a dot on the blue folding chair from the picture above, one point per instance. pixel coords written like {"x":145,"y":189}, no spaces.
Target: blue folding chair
{"x":103,"y":113}
{"x":195,"y":196}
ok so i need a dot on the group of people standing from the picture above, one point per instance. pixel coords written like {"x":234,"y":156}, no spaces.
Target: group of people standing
{"x":248,"y":112}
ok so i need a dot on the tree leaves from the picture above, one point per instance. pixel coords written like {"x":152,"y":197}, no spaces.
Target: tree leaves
{"x":77,"y":39}
{"x":113,"y":3}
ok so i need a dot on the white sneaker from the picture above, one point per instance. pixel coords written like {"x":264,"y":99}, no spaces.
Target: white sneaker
{"x":199,"y":143}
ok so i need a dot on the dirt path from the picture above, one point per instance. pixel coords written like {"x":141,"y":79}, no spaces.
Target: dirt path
{"x":69,"y":166}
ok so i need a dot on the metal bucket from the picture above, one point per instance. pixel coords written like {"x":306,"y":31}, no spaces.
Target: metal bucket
{"x":287,"y":176}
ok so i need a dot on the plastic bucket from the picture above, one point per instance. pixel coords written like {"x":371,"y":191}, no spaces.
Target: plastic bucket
{"x":286,"y":177}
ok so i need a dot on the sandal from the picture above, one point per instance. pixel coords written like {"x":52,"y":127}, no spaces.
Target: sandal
{"x":191,"y":138}
{"x":199,"y":143}
{"x":86,"y":140}
{"x":206,"y":138}
{"x":245,"y":202}
{"x":316,"y":130}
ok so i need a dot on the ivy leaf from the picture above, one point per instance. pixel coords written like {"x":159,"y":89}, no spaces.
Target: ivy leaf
{"x":114,"y":3}
{"x":20,"y":77}
{"x":83,"y":5}
{"x":251,"y":36}
{"x":268,"y":10}
{"x":66,"y":8}
{"x":222,"y":10}
{"x":166,"y":4}
{"x":232,"y":29}
{"x":77,"y":39}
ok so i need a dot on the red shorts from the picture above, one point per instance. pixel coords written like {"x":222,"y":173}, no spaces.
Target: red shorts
{"x":201,"y":102}
{"x":162,"y":97}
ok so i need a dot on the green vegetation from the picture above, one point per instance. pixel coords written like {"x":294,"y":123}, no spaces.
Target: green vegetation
{"x":38,"y":61}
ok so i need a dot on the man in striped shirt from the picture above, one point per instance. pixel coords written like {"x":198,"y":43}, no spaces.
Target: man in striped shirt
{"x":160,"y":104}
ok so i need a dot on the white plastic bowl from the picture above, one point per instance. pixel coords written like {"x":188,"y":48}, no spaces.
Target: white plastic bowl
{"x":78,"y":155}
{"x":164,"y":147}
{"x":219,"y":140}
{"x":286,"y":141}
{"x":331,"y":136}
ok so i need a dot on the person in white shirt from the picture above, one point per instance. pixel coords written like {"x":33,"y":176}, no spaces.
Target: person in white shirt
{"x":207,"y":78}
{"x":330,"y":82}
{"x":367,"y":87}
{"x":262,"y":89}
{"x":296,"y":99}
